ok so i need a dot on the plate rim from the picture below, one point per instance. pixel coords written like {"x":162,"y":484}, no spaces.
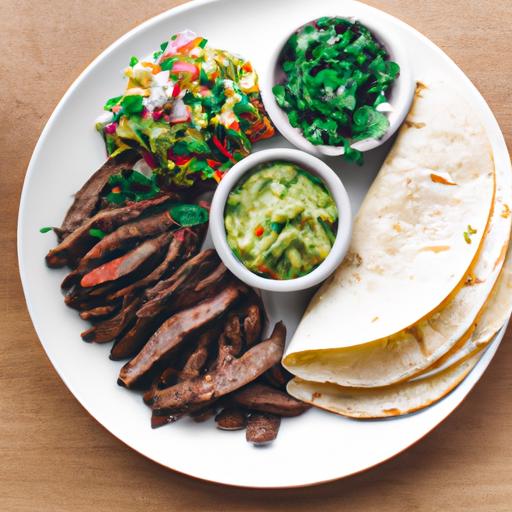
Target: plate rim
{"x":482,"y":364}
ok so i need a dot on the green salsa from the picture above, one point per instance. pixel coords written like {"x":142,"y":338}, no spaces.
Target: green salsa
{"x":281,"y":221}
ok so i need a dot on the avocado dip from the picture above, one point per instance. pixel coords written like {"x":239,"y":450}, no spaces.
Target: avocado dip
{"x":280,"y":222}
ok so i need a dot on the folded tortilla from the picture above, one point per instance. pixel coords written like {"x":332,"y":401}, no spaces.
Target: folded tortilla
{"x":417,"y":348}
{"x":495,"y":313}
{"x":417,"y":233}
{"x":394,"y":400}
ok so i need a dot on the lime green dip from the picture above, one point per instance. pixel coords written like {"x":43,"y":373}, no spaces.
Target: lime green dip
{"x":280,"y":222}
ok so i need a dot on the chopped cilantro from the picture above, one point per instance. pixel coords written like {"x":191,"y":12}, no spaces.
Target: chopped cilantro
{"x":189,"y":214}
{"x":132,"y":104}
{"x":45,"y":229}
{"x":97,"y":233}
{"x":337,"y":73}
{"x":133,"y":61}
{"x":112,"y":102}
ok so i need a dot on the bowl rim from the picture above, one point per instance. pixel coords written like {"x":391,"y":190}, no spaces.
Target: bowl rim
{"x":311,"y":164}
{"x":401,"y":95}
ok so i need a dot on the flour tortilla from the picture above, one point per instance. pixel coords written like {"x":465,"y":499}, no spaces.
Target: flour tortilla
{"x":496,"y":312}
{"x":404,"y":355}
{"x":408,"y":252}
{"x":382,"y":402}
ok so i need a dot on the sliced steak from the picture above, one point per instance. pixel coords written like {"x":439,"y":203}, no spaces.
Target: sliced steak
{"x":262,"y":428}
{"x":182,"y":242}
{"x":77,"y":243}
{"x":126,"y":264}
{"x":108,"y":330}
{"x":99,"y":312}
{"x":230,"y":376}
{"x":125,"y":237}
{"x":174,"y":330}
{"x":262,"y":398}
{"x":87,"y":198}
{"x":231,"y":418}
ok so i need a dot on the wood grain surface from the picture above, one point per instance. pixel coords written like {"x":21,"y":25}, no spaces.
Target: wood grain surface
{"x":55,"y":457}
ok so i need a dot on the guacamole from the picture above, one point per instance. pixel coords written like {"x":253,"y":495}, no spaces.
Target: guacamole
{"x":280,"y":222}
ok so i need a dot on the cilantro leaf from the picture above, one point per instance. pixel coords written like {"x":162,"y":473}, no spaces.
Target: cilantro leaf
{"x":189,"y":214}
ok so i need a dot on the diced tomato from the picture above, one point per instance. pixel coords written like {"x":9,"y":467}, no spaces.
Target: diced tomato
{"x":116,"y":190}
{"x":185,"y":67}
{"x":212,"y":163}
{"x":235,"y":126}
{"x":247,"y":67}
{"x":176,"y":90}
{"x":157,"y":114}
{"x":259,"y":231}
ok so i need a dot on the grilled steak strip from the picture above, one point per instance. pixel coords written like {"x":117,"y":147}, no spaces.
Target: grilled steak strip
{"x":110,"y":329}
{"x":99,"y":312}
{"x":130,"y":344}
{"x":252,"y":324}
{"x":230,"y":376}
{"x":174,"y":330}
{"x":262,"y":398}
{"x":183,"y":273}
{"x":278,"y":376}
{"x":184,"y":279}
{"x":87,"y":198}
{"x":125,"y":236}
{"x":197,"y":359}
{"x":126,"y":264}
{"x":77,"y":243}
{"x":262,"y":428}
{"x":180,"y":243}
{"x":231,"y":418}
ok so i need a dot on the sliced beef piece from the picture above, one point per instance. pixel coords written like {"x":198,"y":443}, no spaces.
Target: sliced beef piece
{"x":124,"y":238}
{"x":108,"y":330}
{"x":174,"y":288}
{"x":278,"y":376}
{"x":87,"y":198}
{"x":208,"y":257}
{"x":183,"y":242}
{"x":126,"y":264}
{"x":224,"y":379}
{"x":231,"y":418}
{"x":253,"y":324}
{"x":174,"y":330}
{"x":71,"y":280}
{"x":196,"y":361}
{"x":99,"y":312}
{"x":130,"y":344}
{"x":262,"y":428}
{"x":262,"y":398}
{"x":204,"y":414}
{"x":77,"y":243}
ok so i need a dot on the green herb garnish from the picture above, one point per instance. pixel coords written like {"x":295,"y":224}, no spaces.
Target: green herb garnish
{"x":46,"y":229}
{"x":337,"y":74}
{"x":468,"y":233}
{"x":189,"y":214}
{"x":97,"y":233}
{"x":131,"y":186}
{"x":133,"y":61}
{"x":132,"y":104}
{"x":112,"y":102}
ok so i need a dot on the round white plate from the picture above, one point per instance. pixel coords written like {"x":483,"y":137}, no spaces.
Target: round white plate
{"x":312,"y":448}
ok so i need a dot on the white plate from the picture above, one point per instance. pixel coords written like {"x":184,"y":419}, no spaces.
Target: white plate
{"x":313,"y":448}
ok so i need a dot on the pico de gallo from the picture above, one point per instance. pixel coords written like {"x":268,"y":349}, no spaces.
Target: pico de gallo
{"x":191,"y":110}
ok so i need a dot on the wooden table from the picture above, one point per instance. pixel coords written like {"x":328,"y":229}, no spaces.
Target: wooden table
{"x":55,"y":457}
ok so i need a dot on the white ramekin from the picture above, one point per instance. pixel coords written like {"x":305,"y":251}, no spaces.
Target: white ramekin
{"x":400,"y":98}
{"x":308,"y":163}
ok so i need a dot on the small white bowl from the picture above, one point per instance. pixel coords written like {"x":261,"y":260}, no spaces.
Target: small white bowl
{"x":315,"y":167}
{"x":400,"y":97}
